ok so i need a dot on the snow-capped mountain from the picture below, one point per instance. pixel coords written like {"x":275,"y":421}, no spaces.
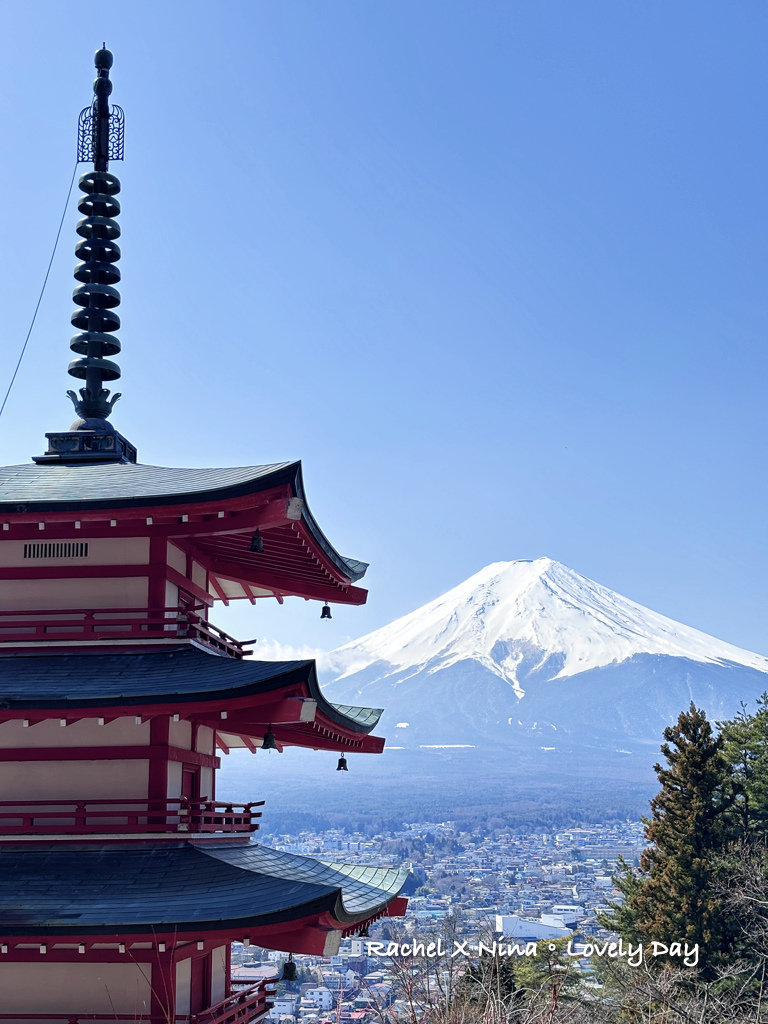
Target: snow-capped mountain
{"x":532,"y":652}
{"x":527,"y":693}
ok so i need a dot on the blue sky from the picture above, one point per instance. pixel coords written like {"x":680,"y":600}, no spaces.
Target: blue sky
{"x":494,"y":271}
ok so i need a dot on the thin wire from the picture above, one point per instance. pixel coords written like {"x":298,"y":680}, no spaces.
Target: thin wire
{"x":42,"y":292}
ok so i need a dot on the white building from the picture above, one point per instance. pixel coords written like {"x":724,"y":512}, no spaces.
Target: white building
{"x":513,"y":927}
{"x":322,"y":998}
{"x":284,"y":1006}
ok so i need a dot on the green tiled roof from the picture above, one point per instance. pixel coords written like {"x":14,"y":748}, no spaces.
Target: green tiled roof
{"x":95,"y":889}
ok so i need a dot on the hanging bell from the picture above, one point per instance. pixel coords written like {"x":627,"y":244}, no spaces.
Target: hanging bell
{"x":257,"y":544}
{"x":364,"y":932}
{"x":326,"y":611}
{"x":270,"y":743}
{"x":342,"y":765}
{"x":289,"y":969}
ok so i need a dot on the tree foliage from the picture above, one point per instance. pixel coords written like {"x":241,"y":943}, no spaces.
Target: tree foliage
{"x":674,"y":898}
{"x":745,"y":748}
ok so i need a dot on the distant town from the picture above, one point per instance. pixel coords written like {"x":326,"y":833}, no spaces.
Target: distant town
{"x":469,"y":885}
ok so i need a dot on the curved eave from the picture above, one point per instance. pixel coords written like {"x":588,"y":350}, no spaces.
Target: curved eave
{"x":361,"y":891}
{"x":86,"y":890}
{"x":292,"y":562}
{"x":55,"y":490}
{"x":190,"y":682}
{"x":352,"y":568}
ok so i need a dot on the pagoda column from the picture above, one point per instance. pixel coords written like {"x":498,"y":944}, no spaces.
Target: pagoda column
{"x":159,"y":741}
{"x":164,"y":987}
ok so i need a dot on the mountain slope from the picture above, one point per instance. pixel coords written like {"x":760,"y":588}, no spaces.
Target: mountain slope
{"x":533,"y":654}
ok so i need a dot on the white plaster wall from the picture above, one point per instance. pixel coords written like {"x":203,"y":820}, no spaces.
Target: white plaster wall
{"x":85,"y":733}
{"x":230,"y":739}
{"x":231,"y":588}
{"x":199,"y":575}
{"x":76,"y":988}
{"x":74,"y":780}
{"x":218,"y":974}
{"x":101,"y":551}
{"x":205,"y":739}
{"x":206,"y":783}
{"x":76,"y":593}
{"x":181,"y":735}
{"x":183,"y":986}
{"x":171,"y":598}
{"x":174,"y":779}
{"x":177,"y":559}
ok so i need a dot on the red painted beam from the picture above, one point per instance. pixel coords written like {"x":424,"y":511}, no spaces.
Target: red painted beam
{"x":217,"y":587}
{"x":397,"y":907}
{"x":156,"y":752}
{"x":193,"y":710}
{"x":275,"y":712}
{"x":137,"y":513}
{"x":340,"y":740}
{"x":301,"y":935}
{"x":289,"y":586}
{"x":185,"y":583}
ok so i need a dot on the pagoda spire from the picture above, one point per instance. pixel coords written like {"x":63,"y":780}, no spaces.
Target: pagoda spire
{"x":99,"y":139}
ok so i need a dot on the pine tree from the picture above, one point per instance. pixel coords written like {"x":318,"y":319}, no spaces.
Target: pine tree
{"x":489,"y":979}
{"x":745,"y":748}
{"x":674,"y":899}
{"x":550,"y":976}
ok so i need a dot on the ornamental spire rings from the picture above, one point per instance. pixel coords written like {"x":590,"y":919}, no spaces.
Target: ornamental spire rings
{"x":100,"y":139}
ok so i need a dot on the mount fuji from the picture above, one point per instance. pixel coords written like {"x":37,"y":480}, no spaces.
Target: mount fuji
{"x":533,"y":656}
{"x":527,"y":694}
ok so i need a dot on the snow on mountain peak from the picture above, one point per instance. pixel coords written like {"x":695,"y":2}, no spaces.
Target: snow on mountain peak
{"x":514,"y":610}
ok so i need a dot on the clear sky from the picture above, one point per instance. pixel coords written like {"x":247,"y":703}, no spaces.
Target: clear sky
{"x":494,"y":271}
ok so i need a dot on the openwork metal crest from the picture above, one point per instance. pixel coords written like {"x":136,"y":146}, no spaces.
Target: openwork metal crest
{"x":85,"y":136}
{"x":85,"y":127}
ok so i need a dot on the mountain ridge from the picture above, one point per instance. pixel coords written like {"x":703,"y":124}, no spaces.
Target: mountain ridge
{"x":524,"y":653}
{"x":544,"y":606}
{"x":528,"y":693}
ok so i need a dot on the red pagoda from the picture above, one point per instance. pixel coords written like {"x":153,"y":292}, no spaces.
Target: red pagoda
{"x":123,"y":880}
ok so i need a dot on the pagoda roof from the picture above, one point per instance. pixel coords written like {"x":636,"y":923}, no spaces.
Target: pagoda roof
{"x":114,"y":484}
{"x":176,"y":677}
{"x":215,"y":509}
{"x":184,"y":887}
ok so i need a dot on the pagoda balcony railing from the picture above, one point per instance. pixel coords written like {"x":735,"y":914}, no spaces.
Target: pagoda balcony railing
{"x":83,"y":817}
{"x":109,"y":624}
{"x":246,"y":1007}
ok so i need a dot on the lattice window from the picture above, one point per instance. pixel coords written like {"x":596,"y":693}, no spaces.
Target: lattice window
{"x":57,"y":549}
